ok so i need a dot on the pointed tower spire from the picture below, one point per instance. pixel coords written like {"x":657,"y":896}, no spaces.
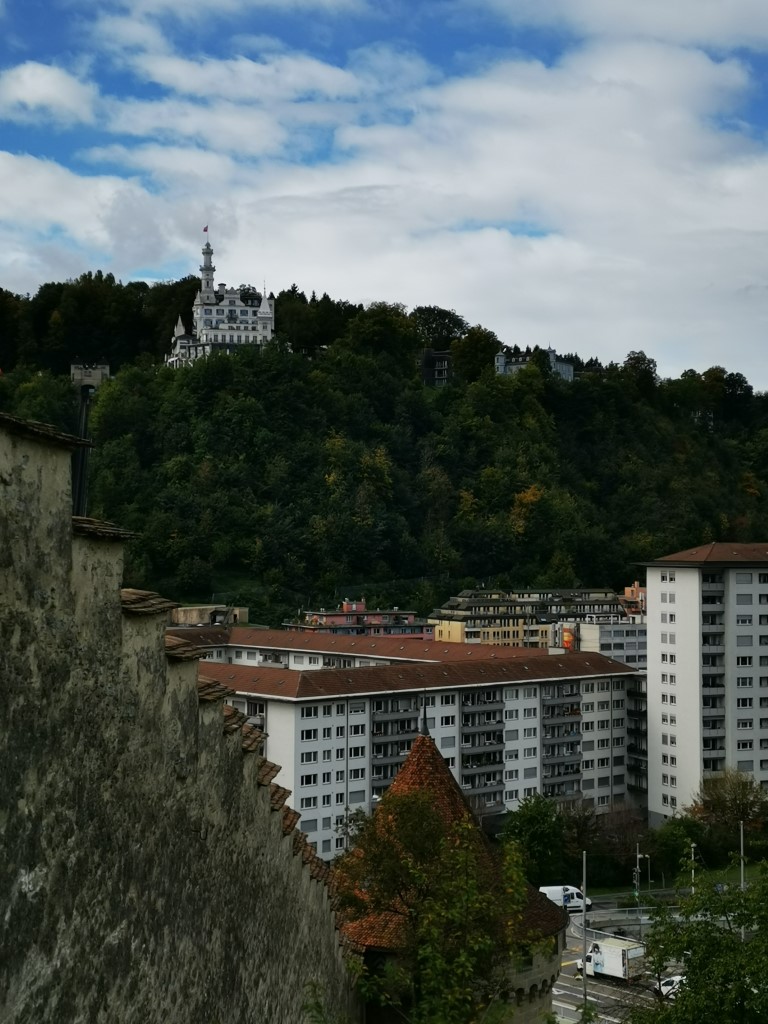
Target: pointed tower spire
{"x":424,"y":728}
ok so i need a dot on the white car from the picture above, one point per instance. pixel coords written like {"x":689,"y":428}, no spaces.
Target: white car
{"x":668,"y":988}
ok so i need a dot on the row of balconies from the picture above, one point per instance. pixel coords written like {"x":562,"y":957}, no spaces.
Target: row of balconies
{"x":470,"y":723}
{"x":408,"y":727}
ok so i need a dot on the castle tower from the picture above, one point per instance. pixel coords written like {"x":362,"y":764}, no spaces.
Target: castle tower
{"x":223,"y":319}
{"x":207,"y":271}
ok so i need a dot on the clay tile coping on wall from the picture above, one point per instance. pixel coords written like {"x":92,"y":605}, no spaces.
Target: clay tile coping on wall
{"x":144,"y":602}
{"x":184,"y":650}
{"x":277,"y":796}
{"x":233,"y":719}
{"x":267,"y":772}
{"x":253,"y":739}
{"x":211,"y":689}
{"x":290,"y":820}
{"x":102,"y":531}
{"x":43,"y":432}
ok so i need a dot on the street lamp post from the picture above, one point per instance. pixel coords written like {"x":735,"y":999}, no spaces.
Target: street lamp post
{"x":693,"y":868}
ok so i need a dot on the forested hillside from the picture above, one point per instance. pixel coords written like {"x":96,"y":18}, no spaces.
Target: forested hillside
{"x":324,"y":467}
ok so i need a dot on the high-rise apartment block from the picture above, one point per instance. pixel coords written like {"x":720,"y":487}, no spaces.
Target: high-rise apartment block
{"x":707,"y":670}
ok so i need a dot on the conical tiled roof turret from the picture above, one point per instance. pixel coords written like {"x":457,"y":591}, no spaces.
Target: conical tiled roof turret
{"x":425,"y":771}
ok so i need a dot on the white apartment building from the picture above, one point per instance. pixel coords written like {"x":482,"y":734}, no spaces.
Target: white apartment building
{"x":507,"y":728}
{"x":707,"y":670}
{"x":224,"y":319}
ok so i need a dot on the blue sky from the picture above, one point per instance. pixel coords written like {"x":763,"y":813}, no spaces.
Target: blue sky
{"x":586,"y":174}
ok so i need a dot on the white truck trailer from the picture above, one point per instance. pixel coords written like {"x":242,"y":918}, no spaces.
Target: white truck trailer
{"x":614,"y":958}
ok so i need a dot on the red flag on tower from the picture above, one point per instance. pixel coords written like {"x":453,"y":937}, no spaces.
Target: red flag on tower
{"x":205,"y":228}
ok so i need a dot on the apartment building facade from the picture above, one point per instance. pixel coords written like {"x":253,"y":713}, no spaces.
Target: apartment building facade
{"x":507,"y":728}
{"x":707,"y":670}
{"x":624,"y":639}
{"x":518,"y":618}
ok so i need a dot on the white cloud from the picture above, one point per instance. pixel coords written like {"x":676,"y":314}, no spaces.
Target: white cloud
{"x":42,"y":92}
{"x":198,"y":12}
{"x":281,"y":77}
{"x":716,"y":23}
{"x":225,"y":127}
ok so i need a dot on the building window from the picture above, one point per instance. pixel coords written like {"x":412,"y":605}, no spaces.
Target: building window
{"x":744,"y":702}
{"x":448,"y":698}
{"x":307,"y":735}
{"x":447,"y":720}
{"x":743,"y":577}
{"x":308,"y":801}
{"x":309,"y":757}
{"x":530,"y":752}
{"x":309,"y":780}
{"x":744,"y":723}
{"x":357,"y":751}
{"x":309,"y":712}
{"x":744,"y":660}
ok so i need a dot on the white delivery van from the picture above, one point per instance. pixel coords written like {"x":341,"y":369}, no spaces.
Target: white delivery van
{"x":567,"y":896}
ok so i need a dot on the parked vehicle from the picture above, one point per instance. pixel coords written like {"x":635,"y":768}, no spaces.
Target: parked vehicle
{"x":614,"y":958}
{"x":668,"y":988}
{"x":567,"y":896}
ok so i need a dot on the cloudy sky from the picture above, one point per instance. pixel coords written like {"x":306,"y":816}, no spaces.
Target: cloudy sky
{"x":586,"y":174}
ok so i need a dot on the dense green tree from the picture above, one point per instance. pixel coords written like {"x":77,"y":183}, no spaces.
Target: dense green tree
{"x":472,"y":353}
{"x":454,"y":907}
{"x":438,"y":328}
{"x":719,"y":941}
{"x":537,"y":829}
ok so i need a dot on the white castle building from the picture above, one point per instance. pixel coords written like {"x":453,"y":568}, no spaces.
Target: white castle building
{"x":223,"y":318}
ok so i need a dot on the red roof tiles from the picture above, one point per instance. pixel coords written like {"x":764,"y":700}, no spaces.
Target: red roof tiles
{"x":320,"y":684}
{"x":402,"y":649}
{"x":719,"y":553}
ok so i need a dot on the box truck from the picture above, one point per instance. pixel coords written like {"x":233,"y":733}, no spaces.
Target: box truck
{"x":614,"y":958}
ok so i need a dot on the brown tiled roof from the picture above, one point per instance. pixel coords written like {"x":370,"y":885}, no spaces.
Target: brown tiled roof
{"x":382,"y":932}
{"x":425,"y":770}
{"x":144,"y":602}
{"x":96,"y":528}
{"x":43,"y":432}
{"x":320,"y":684}
{"x":182,"y":650}
{"x":397,"y":648}
{"x":718,"y":553}
{"x":205,"y":636}
{"x":542,"y":917}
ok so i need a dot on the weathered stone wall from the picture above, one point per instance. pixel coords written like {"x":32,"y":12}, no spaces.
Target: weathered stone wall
{"x":144,"y":876}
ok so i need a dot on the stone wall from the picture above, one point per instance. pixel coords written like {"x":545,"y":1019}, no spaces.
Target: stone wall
{"x":149,"y":871}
